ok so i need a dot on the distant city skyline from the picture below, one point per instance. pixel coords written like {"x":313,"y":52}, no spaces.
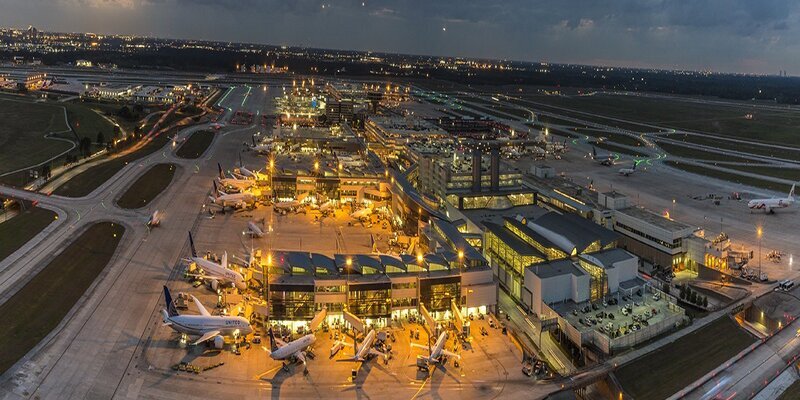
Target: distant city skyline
{"x":725,"y":36}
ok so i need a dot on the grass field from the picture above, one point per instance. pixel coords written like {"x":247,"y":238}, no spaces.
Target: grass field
{"x":699,"y":154}
{"x":752,"y":148}
{"x":87,"y":123}
{"x":89,"y":180}
{"x":47,"y":298}
{"x":22,"y":131}
{"x":196,"y":145}
{"x":768,"y":126}
{"x":147,"y":187}
{"x":18,"y":230}
{"x":729,"y":176}
{"x":576,"y":113}
{"x":783,"y":173}
{"x":792,"y":392}
{"x":669,"y":369}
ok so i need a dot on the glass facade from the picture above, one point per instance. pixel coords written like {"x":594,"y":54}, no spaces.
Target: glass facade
{"x":370,"y":300}
{"x":291,"y":301}
{"x":436,"y":294}
{"x":598,"y":281}
{"x":497,"y":249}
{"x":551,"y":253}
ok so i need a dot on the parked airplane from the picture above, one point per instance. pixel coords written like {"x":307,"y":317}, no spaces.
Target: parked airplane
{"x":437,"y":351}
{"x":216,"y":273}
{"x":205,"y":325}
{"x":286,"y":205}
{"x":326,"y":206}
{"x":296,"y":349}
{"x":255,"y":228}
{"x":769,"y":205}
{"x":262,"y":148}
{"x":606,"y":159}
{"x":362,"y":213}
{"x":628,"y":171}
{"x":236,"y":183}
{"x":246,"y":173}
{"x":234,"y":200}
{"x":364,"y":349}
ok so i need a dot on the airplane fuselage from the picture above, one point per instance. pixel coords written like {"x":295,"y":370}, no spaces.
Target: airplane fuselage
{"x":197,"y":325}
{"x":218,"y":272}
{"x":292,"y":348}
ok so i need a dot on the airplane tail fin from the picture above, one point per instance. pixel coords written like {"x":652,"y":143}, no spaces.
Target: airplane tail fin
{"x":221,"y":174}
{"x":191,"y":245}
{"x":791,"y":192}
{"x":594,"y":152}
{"x":171,"y":310}
{"x":215,"y":193}
{"x":634,"y":165}
{"x":225,"y":260}
{"x":273,"y":345}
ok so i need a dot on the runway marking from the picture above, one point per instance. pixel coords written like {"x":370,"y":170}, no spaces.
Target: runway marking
{"x":420,"y":387}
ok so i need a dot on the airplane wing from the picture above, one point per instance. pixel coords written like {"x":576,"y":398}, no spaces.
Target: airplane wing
{"x":201,"y":308}
{"x":343,"y":343}
{"x":300,"y":356}
{"x":419,"y":346}
{"x":451,"y":354}
{"x":206,"y":336}
{"x":378,"y":353}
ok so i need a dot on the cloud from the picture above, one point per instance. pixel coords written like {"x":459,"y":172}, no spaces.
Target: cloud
{"x":718,"y":34}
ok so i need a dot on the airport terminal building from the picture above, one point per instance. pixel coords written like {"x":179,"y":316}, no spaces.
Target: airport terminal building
{"x":375,"y":288}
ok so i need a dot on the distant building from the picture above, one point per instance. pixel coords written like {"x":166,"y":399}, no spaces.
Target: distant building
{"x":35,"y":80}
{"x":113,"y":92}
{"x":339,"y":111}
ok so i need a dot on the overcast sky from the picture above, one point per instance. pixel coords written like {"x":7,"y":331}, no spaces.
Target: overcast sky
{"x":753,"y":36}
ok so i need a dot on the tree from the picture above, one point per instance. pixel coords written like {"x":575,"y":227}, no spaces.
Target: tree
{"x":705,"y":301}
{"x":665,"y":287}
{"x":101,"y":139}
{"x":683,"y":291}
{"x":85,"y":146}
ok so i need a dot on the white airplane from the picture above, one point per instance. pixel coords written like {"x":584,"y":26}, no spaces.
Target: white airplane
{"x":216,"y":273}
{"x":236,"y":183}
{"x":254,"y":230}
{"x":205,"y":325}
{"x":262,"y":148}
{"x":769,"y":205}
{"x":364,"y":349}
{"x":280,"y":350}
{"x":362,"y":213}
{"x":154,"y":220}
{"x":606,"y":159}
{"x":437,"y":351}
{"x":246,"y":173}
{"x":326,"y":206}
{"x":628,"y":171}
{"x":286,"y":205}
{"x":234,"y":200}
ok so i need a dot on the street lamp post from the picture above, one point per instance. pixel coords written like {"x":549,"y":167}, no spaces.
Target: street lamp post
{"x":759,"y":232}
{"x":265,"y":275}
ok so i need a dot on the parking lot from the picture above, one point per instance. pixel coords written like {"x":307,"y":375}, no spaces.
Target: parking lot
{"x":629,"y":315}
